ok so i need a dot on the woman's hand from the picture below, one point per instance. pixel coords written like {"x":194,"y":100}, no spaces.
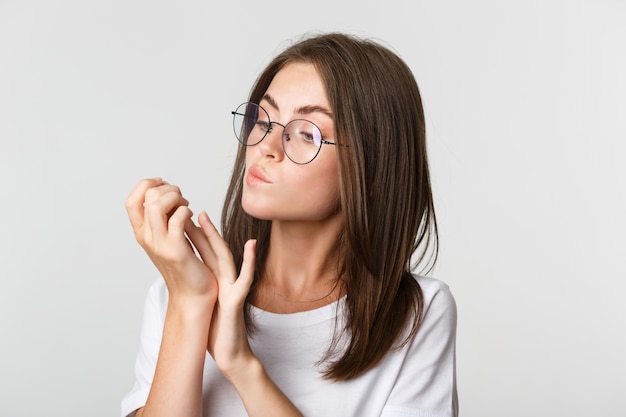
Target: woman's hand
{"x":161,"y":220}
{"x":160,"y":217}
{"x":228,"y":339}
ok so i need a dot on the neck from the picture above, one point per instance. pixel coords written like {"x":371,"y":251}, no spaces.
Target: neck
{"x":301,"y":269}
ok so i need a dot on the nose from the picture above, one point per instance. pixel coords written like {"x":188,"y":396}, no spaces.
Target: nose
{"x":272,"y":144}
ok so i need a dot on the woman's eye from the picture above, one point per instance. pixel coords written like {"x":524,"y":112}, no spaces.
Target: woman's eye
{"x":310,"y":137}
{"x":262,"y":125}
{"x":307,"y":136}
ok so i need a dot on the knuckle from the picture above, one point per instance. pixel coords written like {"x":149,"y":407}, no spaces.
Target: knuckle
{"x":151,"y":194}
{"x":181,"y":214}
{"x":186,"y":211}
{"x":130,"y":203}
{"x":140,"y":239}
{"x":153,"y":208}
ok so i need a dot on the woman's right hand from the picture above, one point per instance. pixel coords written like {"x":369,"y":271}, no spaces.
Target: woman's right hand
{"x":161,"y":220}
{"x":159,"y":215}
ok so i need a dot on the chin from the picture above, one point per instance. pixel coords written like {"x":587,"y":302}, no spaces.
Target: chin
{"x":257,"y":212}
{"x":266,"y":210}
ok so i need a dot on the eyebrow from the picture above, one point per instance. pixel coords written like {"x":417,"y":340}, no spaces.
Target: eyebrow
{"x":300,"y":110}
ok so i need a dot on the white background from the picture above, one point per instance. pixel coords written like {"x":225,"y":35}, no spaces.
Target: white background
{"x":526,"y":109}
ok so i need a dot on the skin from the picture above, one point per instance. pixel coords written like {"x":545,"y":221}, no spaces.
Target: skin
{"x":206,"y":297}
{"x":301,"y":200}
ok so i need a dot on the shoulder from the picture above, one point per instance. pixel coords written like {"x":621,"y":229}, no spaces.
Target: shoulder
{"x":425,"y":383}
{"x":431,"y":287}
{"x":439,"y":303}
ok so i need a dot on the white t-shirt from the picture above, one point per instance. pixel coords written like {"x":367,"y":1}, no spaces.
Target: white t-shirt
{"x":418,"y":380}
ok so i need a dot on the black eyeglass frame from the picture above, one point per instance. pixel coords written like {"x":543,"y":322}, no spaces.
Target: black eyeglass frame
{"x":283,"y":136}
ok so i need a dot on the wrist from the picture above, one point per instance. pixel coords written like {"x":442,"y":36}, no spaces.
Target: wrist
{"x":191,"y":309}
{"x":260,"y":395}
{"x":247,"y":371}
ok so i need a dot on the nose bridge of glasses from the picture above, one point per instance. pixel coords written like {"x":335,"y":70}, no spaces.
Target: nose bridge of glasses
{"x":274,"y":142}
{"x":271,"y":126}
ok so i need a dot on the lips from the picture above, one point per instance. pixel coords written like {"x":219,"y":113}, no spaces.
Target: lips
{"x":256,"y":175}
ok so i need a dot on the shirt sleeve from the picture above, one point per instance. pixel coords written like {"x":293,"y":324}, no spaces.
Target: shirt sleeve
{"x":149,"y":345}
{"x":426,"y":384}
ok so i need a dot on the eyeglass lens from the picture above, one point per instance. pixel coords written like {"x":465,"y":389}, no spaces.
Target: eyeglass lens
{"x":301,"y":139}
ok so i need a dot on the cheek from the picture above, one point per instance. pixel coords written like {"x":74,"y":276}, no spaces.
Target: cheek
{"x":322,"y":193}
{"x":309,"y":192}
{"x":299,"y":198}
{"x":330,"y":191}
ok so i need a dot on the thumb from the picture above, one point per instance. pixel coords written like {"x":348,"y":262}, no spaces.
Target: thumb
{"x":246,"y":276}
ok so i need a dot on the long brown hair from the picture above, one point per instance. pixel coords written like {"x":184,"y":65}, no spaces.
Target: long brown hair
{"x":385,"y":192}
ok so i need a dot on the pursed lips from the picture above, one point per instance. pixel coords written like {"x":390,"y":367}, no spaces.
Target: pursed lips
{"x":257,"y":175}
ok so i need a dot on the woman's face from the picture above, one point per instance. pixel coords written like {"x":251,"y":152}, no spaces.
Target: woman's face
{"x":275,"y":188}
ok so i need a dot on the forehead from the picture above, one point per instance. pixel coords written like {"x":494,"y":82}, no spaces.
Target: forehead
{"x":296,"y":85}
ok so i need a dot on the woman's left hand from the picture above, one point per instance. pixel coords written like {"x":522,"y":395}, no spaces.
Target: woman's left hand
{"x":228,"y":338}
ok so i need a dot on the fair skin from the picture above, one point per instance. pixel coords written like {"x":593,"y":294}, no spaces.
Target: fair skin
{"x":206,"y":297}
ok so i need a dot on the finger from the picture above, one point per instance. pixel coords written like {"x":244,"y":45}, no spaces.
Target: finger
{"x":225,"y":265}
{"x":177,"y":221}
{"x":201,"y":243}
{"x":246,"y":276}
{"x":158,"y":211}
{"x":157,"y":192}
{"x":136,"y":199}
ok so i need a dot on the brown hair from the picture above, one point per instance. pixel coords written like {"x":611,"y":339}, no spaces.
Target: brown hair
{"x":385,"y":192}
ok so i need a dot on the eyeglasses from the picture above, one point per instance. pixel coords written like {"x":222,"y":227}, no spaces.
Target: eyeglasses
{"x":302,"y":140}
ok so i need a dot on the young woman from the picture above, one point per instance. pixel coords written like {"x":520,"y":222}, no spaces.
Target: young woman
{"x":306,"y":305}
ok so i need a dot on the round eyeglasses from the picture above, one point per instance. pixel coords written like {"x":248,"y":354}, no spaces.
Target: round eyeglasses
{"x":302,"y":139}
